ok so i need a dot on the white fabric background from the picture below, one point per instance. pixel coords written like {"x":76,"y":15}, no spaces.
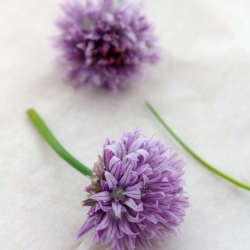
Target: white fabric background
{"x":201,"y":88}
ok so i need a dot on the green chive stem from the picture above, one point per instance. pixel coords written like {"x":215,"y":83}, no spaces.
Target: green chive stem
{"x":48,"y":136}
{"x":199,"y":159}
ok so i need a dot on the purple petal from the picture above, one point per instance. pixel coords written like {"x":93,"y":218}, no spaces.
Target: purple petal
{"x":104,"y":186}
{"x":124,"y":227}
{"x":151,"y":218}
{"x":111,"y":148}
{"x":145,"y":180}
{"x":116,"y":170}
{"x":118,"y":232}
{"x":134,"y":219}
{"x":112,"y":161}
{"x":102,"y":196}
{"x":89,"y":224}
{"x":142,"y":169}
{"x":111,"y":180}
{"x":104,"y":222}
{"x":104,"y":208}
{"x":126,"y":177}
{"x":110,"y":232}
{"x":130,"y":242}
{"x":131,"y":203}
{"x":134,"y":187}
{"x":143,"y":153}
{"x":136,"y":194}
{"x":136,"y":145}
{"x":117,"y":207}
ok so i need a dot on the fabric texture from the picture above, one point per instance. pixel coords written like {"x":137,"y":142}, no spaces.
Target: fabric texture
{"x":200,"y":87}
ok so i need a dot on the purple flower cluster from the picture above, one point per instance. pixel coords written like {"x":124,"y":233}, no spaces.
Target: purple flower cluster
{"x":104,"y":44}
{"x":136,"y":195}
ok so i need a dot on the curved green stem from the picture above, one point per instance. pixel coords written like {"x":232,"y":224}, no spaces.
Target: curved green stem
{"x":48,"y":136}
{"x":199,"y":159}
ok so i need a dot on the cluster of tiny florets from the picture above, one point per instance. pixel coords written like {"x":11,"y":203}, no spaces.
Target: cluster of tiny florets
{"x":136,"y":195}
{"x":104,"y":43}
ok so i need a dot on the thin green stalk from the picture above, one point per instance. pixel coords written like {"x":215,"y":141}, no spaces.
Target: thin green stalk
{"x":48,"y":136}
{"x":199,"y":159}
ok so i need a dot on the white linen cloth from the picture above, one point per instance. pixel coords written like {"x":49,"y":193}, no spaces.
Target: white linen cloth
{"x":201,"y":88}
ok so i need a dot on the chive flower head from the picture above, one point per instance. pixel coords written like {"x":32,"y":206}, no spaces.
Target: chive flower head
{"x":136,"y":196}
{"x":104,"y":43}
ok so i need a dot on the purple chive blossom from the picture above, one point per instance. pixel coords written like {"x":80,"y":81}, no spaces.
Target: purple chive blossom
{"x":136,"y":195}
{"x":103,"y":44}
